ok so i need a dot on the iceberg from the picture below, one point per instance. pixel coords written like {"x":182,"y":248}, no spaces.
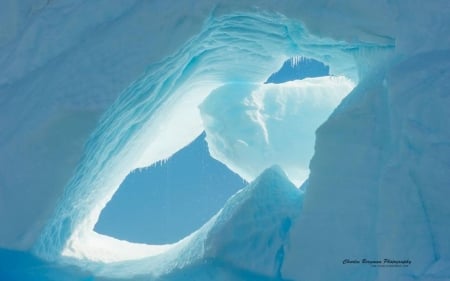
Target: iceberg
{"x":378,"y":179}
{"x":158,"y":115}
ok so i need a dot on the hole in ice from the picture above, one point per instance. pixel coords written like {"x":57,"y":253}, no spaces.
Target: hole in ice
{"x":165,"y":202}
{"x":158,"y":114}
{"x":297,"y":68}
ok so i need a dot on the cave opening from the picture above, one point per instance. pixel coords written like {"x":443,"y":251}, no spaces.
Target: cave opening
{"x":169,"y":200}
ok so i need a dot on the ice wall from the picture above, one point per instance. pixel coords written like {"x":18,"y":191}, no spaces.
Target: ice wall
{"x":63,"y":63}
{"x":249,"y":234}
{"x":385,"y":154}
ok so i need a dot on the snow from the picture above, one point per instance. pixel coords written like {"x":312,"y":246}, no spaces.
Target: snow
{"x":250,"y":127}
{"x":378,"y":179}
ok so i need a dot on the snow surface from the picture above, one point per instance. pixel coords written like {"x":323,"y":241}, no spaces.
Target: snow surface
{"x":297,"y":68}
{"x":379,"y":178}
{"x":250,"y":127}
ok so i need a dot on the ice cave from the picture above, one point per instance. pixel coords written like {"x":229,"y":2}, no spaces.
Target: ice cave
{"x":319,"y":131}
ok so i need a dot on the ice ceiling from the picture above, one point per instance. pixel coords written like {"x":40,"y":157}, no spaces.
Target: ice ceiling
{"x":222,"y":71}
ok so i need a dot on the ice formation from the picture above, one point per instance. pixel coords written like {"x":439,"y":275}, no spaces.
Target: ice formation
{"x":385,"y":152}
{"x":158,"y":114}
{"x":379,"y":175}
{"x":176,"y":205}
{"x":250,"y":127}
{"x":298,"y":68}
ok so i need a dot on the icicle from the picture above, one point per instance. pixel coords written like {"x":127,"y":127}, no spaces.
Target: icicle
{"x":296,"y":60}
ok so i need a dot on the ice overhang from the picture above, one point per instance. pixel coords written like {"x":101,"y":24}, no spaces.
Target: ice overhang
{"x":158,"y":115}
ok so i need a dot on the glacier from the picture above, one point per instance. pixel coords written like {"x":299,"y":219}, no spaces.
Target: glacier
{"x":378,"y":178}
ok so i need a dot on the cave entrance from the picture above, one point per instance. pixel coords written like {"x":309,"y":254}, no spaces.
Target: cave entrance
{"x":169,"y":200}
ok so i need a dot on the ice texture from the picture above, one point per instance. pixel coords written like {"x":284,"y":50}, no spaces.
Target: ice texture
{"x":158,"y":114}
{"x":298,"y":68}
{"x":385,"y":154}
{"x":249,"y":233}
{"x":256,"y":220}
{"x":250,"y":127}
{"x":379,"y":180}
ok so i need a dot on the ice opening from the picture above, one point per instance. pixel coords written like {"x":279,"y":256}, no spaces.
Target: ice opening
{"x":214,"y":83}
{"x":176,"y":197}
{"x":298,"y":68}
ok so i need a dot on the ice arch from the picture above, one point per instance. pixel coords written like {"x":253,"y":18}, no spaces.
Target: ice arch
{"x":157,"y":115}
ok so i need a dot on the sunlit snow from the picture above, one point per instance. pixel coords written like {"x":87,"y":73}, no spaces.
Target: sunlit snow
{"x":251,"y":127}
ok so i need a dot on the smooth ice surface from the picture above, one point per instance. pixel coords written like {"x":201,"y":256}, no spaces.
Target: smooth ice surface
{"x":250,"y":127}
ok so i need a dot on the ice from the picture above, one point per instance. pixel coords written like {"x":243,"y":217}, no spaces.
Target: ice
{"x":251,"y":127}
{"x":250,"y":222}
{"x":158,"y":115}
{"x":379,"y":176}
{"x":385,"y":156}
{"x":298,"y":68}
{"x":55,"y":87}
{"x":256,"y":219}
